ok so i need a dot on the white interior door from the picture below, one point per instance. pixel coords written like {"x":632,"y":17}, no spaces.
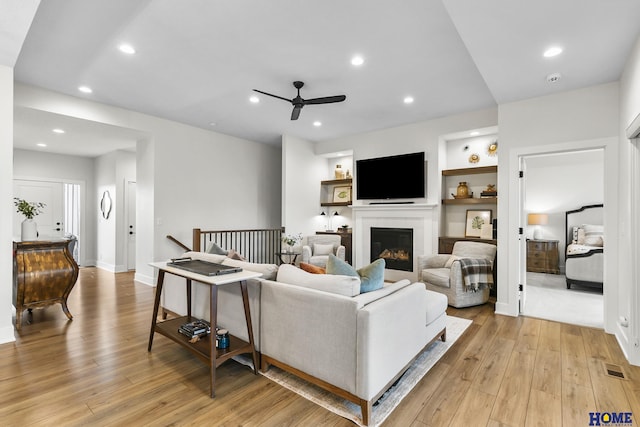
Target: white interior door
{"x":131,"y":225}
{"x":522,"y":237}
{"x":50,"y":221}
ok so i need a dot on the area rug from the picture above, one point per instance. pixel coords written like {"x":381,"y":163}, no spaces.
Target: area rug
{"x":387,"y":403}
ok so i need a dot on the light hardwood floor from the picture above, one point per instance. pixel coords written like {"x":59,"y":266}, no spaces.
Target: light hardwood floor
{"x":95,"y":370}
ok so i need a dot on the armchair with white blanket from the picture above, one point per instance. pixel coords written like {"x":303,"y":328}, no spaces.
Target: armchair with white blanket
{"x":444,"y":273}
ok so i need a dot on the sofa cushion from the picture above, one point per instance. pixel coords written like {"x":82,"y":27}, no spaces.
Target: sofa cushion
{"x":215,"y":258}
{"x":322,"y":249}
{"x":268,"y":271}
{"x":310,"y":268}
{"x":371,"y":276}
{"x":437,"y":276}
{"x":436,"y":305}
{"x":336,"y":284}
{"x":387,"y":289}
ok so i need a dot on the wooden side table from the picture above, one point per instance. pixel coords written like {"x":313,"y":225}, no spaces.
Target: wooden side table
{"x":205,"y":349}
{"x":44,"y":274}
{"x":542,"y":256}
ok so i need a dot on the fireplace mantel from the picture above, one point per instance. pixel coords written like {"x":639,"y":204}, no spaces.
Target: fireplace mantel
{"x":421,"y":217}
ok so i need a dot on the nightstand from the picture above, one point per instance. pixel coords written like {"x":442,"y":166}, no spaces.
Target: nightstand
{"x":542,"y":256}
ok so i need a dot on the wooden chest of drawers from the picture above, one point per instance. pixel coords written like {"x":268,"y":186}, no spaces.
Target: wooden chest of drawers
{"x":542,"y":256}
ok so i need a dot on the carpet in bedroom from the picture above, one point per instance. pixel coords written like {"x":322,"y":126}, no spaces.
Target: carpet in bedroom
{"x":548,"y":298}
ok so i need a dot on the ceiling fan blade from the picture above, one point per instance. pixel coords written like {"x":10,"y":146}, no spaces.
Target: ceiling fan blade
{"x":325,"y":100}
{"x":296,"y":112}
{"x":270,"y":94}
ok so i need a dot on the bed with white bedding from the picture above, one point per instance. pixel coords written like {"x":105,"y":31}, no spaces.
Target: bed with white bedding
{"x":585,"y":246}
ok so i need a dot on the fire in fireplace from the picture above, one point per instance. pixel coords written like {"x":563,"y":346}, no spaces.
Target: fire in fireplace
{"x":394,"y":245}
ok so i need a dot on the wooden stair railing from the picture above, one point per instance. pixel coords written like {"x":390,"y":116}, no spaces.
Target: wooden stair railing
{"x":178,"y":242}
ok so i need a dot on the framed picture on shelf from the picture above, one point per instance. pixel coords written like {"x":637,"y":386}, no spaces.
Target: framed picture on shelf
{"x":475,"y":220}
{"x":341,"y":194}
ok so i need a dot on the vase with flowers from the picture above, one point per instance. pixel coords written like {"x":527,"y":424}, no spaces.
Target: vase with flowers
{"x":29,"y":228}
{"x":290,"y":240}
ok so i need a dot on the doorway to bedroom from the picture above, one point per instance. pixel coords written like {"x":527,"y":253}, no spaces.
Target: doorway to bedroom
{"x":555,"y":184}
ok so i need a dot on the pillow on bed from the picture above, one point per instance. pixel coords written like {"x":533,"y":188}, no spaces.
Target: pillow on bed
{"x":593,"y":235}
{"x":578,"y":235}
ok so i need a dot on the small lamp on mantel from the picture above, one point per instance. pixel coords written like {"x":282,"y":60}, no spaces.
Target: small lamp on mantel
{"x":537,"y":219}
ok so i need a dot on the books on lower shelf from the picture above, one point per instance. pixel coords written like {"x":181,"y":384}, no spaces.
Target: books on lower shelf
{"x":197,"y":327}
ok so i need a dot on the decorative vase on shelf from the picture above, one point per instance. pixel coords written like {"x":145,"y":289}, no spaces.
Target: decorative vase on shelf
{"x":29,"y":230}
{"x":339,"y":173}
{"x":462,"y":191}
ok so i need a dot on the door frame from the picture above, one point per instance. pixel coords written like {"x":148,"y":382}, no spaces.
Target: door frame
{"x":82,"y":240}
{"x":127,"y":208}
{"x":508,"y":299}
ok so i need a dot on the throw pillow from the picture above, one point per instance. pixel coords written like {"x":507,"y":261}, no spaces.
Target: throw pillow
{"x":449,"y":262}
{"x":235,"y":255}
{"x":213,"y":248}
{"x":593,"y":235}
{"x":371,"y":276}
{"x":320,"y":249}
{"x":310,"y":268}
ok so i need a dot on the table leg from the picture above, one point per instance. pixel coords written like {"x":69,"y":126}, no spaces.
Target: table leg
{"x":247,"y":316}
{"x":156,"y":304}
{"x":213,"y":320}
{"x":189,"y":299}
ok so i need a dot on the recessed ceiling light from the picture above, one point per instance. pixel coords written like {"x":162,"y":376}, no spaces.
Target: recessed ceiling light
{"x":57,"y":130}
{"x":552,"y":51}
{"x":475,"y":133}
{"x":254,"y":99}
{"x":127,"y":48}
{"x":408,"y":99}
{"x":85,"y":89}
{"x":317,"y":123}
{"x":357,"y":60}
{"x":41,"y":144}
{"x":212,"y":123}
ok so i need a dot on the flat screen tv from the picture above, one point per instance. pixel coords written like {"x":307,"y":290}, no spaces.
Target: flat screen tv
{"x":393,"y":177}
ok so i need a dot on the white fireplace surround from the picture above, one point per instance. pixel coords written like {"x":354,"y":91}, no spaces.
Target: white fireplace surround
{"x":422,"y":218}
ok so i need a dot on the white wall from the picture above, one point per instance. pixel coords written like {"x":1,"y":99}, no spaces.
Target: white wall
{"x":629,"y":294}
{"x":586,"y":118}
{"x":6,"y":208}
{"x":186,"y":177}
{"x":112,"y":172}
{"x":70,"y":169}
{"x":302,"y":172}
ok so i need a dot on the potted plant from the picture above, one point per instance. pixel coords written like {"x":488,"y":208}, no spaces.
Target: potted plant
{"x":29,"y":229}
{"x":290,"y":240}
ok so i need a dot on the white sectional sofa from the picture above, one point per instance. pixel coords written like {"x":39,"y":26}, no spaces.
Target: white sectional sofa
{"x":321,"y":328}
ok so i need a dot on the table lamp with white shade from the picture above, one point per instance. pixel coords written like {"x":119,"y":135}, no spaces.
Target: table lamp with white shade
{"x":537,"y":219}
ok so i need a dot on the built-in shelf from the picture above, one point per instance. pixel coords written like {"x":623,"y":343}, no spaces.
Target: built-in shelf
{"x":470,"y":171}
{"x":471,"y":201}
{"x":327,"y":190}
{"x":346,"y":181}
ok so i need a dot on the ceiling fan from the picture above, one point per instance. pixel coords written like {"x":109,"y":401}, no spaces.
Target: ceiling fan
{"x":298,"y":102}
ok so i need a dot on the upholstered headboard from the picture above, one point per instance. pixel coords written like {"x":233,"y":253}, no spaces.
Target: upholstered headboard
{"x":591,"y":214}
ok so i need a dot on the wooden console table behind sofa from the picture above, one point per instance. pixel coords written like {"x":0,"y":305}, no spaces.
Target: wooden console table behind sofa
{"x":44,"y":274}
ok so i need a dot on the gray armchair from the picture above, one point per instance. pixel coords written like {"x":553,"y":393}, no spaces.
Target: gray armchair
{"x":318,"y":247}
{"x":442,"y":273}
